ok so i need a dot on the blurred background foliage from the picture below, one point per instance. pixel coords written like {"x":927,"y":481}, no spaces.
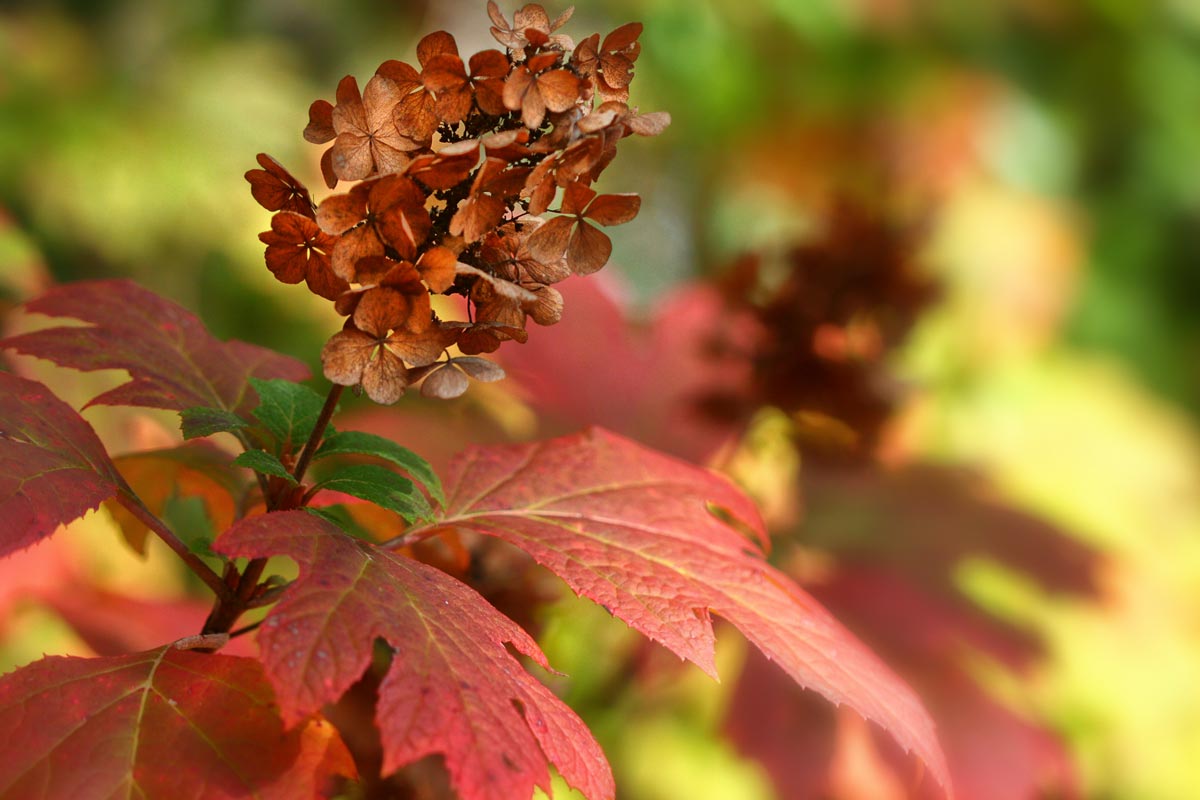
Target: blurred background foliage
{"x":1045,"y":150}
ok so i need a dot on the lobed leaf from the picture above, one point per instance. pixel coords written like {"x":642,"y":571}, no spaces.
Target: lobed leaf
{"x":172,"y":360}
{"x":165,"y":723}
{"x":288,"y":410}
{"x":53,"y":468}
{"x":452,"y":688}
{"x":382,"y":487}
{"x":631,"y":529}
{"x":369,"y":444}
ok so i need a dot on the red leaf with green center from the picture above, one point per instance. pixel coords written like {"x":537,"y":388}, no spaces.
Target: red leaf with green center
{"x":631,"y":529}
{"x":53,"y":468}
{"x":172,"y":359}
{"x":453,"y":688}
{"x":164,"y":723}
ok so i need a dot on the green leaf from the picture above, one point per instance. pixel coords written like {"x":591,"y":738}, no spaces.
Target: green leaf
{"x":187,"y":517}
{"x":264,"y":462}
{"x":359,"y":443}
{"x":382,"y":487}
{"x":287,"y":410}
{"x":201,"y":421}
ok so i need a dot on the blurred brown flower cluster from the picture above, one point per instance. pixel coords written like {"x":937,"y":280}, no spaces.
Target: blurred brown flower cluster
{"x":824,"y":319}
{"x":456,"y":162}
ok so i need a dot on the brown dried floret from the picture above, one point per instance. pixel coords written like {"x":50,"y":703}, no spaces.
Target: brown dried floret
{"x":416,"y":113}
{"x":455,"y":89}
{"x":531,"y":25}
{"x":390,"y":331}
{"x":506,"y":253}
{"x":297,"y":250}
{"x":388,"y":211}
{"x":368,"y":141}
{"x":276,"y":190}
{"x":608,"y":65}
{"x":535,"y":86}
{"x":484,"y":207}
{"x":585,"y":247}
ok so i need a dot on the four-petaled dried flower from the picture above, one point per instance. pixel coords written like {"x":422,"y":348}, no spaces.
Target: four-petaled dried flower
{"x":298,"y":250}
{"x":585,"y":247}
{"x":455,"y":161}
{"x":367,"y":139}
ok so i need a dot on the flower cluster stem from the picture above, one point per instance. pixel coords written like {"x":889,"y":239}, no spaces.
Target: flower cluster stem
{"x":233,"y":601}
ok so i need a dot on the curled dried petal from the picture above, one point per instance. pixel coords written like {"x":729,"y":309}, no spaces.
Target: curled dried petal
{"x":480,"y":368}
{"x":445,"y":383}
{"x":320,"y":123}
{"x":548,"y":308}
{"x":276,"y":189}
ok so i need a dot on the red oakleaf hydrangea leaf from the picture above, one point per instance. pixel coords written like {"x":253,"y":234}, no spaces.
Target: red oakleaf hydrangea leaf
{"x":159,"y":724}
{"x":453,"y":688}
{"x":53,"y":468}
{"x":631,"y":529}
{"x":172,"y":359}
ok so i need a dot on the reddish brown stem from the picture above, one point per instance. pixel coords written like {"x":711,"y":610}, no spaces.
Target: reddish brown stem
{"x":229,"y":607}
{"x":134,"y":506}
{"x":318,"y":432}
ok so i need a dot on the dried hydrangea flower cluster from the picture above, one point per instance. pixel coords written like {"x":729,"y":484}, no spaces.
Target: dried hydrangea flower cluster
{"x":828,"y":315}
{"x":457,"y":162}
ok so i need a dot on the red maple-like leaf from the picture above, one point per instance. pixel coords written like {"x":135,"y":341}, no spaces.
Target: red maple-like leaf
{"x":631,"y":529}
{"x":172,"y":359}
{"x":53,"y":468}
{"x":161,"y":724}
{"x":452,"y":688}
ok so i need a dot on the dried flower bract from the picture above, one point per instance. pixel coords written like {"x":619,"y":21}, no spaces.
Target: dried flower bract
{"x":454,"y":164}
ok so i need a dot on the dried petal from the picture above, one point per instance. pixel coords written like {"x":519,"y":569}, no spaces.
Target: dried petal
{"x":345,"y":355}
{"x":435,"y":44}
{"x":298,"y":250}
{"x":576,"y":198}
{"x":548,"y":308}
{"x":354,"y":246}
{"x":548,"y":244}
{"x":613,"y":209}
{"x":480,"y":369}
{"x":651,"y":124}
{"x":489,"y":68}
{"x":445,"y":383}
{"x":622,"y":37}
{"x":437,"y":268}
{"x":382,"y":310}
{"x":340,"y":212}
{"x":559,"y":89}
{"x":588,"y":250}
{"x":385,"y":378}
{"x":320,"y":123}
